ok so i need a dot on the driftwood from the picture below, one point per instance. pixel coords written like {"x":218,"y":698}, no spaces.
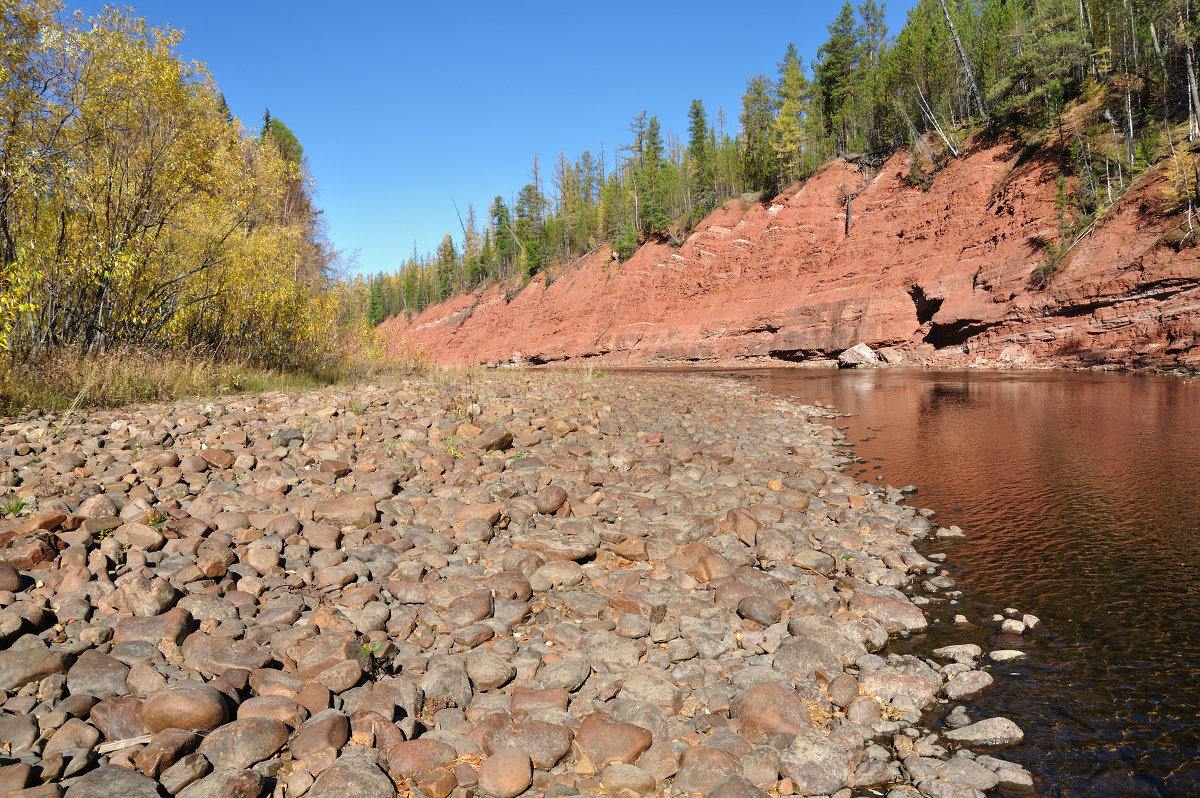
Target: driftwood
{"x":117,"y":745}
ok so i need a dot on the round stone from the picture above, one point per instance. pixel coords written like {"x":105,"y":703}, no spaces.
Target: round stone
{"x":551,"y":499}
{"x":506,"y":773}
{"x":627,"y":781}
{"x":186,"y":705}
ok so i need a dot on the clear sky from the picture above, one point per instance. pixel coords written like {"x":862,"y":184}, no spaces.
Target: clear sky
{"x":405,"y":108}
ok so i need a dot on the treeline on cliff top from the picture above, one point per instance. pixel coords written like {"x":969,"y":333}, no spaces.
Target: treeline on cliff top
{"x":955,"y":68}
{"x":137,"y":213}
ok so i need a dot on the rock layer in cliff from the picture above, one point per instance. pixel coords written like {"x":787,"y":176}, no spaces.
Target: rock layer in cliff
{"x":945,"y":275}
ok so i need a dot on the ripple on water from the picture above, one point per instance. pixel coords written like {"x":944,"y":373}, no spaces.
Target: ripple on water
{"x":1078,"y":494}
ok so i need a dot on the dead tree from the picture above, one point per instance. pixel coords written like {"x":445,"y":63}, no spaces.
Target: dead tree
{"x":962,"y":53}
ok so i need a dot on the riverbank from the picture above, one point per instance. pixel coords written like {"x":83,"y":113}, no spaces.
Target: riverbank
{"x":952,"y":273}
{"x":508,"y":583}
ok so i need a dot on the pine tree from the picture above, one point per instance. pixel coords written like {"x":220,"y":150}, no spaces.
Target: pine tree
{"x":447,"y":268}
{"x":758,"y":119}
{"x":835,"y":70}
{"x":700,"y":154}
{"x":501,"y":222}
{"x":653,"y":210}
{"x":792,"y":98}
{"x":375,"y":310}
{"x":1049,"y":64}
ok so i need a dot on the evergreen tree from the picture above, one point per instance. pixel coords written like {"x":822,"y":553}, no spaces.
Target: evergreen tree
{"x":1051,"y":62}
{"x":501,"y":222}
{"x":700,"y":154}
{"x":530,"y":222}
{"x":873,"y":32}
{"x":446,"y":268}
{"x":792,"y":99}
{"x":758,"y":119}
{"x":835,"y":70}
{"x":653,"y":211}
{"x":375,"y":310}
{"x":283,"y":137}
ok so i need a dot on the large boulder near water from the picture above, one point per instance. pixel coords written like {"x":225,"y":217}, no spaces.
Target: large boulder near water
{"x":857,"y":355}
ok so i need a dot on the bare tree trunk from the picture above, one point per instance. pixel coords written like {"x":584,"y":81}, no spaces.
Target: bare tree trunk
{"x":917,"y":139}
{"x":962,"y":53}
{"x":928,"y":111}
{"x":1132,"y":35}
{"x":1087,"y":163}
{"x":1193,"y":97}
{"x":1085,"y":25}
{"x":1162,"y":63}
{"x":1117,"y":151}
{"x":1129,"y":118}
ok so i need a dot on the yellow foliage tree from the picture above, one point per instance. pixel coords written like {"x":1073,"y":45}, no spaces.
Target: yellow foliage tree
{"x":133,"y":212}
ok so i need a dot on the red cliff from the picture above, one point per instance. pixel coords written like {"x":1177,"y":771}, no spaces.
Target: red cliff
{"x":943,"y":276}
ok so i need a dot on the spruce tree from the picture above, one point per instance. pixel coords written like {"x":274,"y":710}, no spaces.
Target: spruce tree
{"x":700,"y":153}
{"x":653,"y":211}
{"x":792,"y":98}
{"x":835,"y":70}
{"x":501,"y":222}
{"x":758,"y":118}
{"x":375,"y":310}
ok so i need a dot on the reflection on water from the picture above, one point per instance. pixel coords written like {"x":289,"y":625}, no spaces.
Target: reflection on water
{"x":1080,"y":496}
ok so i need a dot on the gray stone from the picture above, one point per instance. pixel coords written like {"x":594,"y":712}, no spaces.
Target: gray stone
{"x":803,"y":658}
{"x":243,"y":743}
{"x":97,"y":674}
{"x":702,"y":768}
{"x":815,"y":765}
{"x":857,"y":355}
{"x":966,"y":653}
{"x":19,"y":668}
{"x":113,"y":781}
{"x":446,"y":680}
{"x":226,"y":784}
{"x":968,"y":686}
{"x":352,"y":777}
{"x":568,"y":673}
{"x":735,"y":785}
{"x":627,"y":781}
{"x":992,"y":731}
{"x":488,"y":670}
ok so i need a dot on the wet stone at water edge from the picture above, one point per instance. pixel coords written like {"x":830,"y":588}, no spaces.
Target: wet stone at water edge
{"x":522,"y":584}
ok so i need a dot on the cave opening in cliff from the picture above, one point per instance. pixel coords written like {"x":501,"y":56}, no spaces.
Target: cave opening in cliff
{"x":926,"y":306}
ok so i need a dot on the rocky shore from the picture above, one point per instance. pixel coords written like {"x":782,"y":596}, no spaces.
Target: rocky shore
{"x":516,"y":584}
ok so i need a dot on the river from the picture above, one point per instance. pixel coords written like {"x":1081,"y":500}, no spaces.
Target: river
{"x":1080,"y":498}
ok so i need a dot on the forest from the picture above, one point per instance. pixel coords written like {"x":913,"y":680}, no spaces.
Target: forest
{"x":137,"y":213}
{"x":1110,"y":84}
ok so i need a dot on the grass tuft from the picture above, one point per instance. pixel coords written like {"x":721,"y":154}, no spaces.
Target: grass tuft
{"x":70,"y":381}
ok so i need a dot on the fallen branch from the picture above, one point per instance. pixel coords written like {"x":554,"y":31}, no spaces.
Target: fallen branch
{"x":117,"y":745}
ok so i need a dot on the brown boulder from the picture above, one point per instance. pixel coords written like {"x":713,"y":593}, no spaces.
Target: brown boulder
{"x":19,"y":668}
{"x":604,"y":741}
{"x":771,"y":708}
{"x":186,"y":705}
{"x":357,"y":510}
{"x":414,"y":759}
{"x":506,"y":774}
{"x":243,"y":743}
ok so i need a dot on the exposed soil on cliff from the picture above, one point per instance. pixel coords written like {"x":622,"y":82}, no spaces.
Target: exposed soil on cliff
{"x":947,"y":276}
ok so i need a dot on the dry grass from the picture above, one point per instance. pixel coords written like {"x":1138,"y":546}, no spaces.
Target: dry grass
{"x":69,"y":381}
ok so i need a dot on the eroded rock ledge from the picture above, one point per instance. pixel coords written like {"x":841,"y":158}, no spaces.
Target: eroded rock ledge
{"x":951,"y":276}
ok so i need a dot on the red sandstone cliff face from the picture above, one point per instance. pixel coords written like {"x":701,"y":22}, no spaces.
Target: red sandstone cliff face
{"x":944,"y":276}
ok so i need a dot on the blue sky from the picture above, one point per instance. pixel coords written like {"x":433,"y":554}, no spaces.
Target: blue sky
{"x":403,"y":108}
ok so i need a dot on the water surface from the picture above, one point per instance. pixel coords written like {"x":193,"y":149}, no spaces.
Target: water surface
{"x":1080,"y":497}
